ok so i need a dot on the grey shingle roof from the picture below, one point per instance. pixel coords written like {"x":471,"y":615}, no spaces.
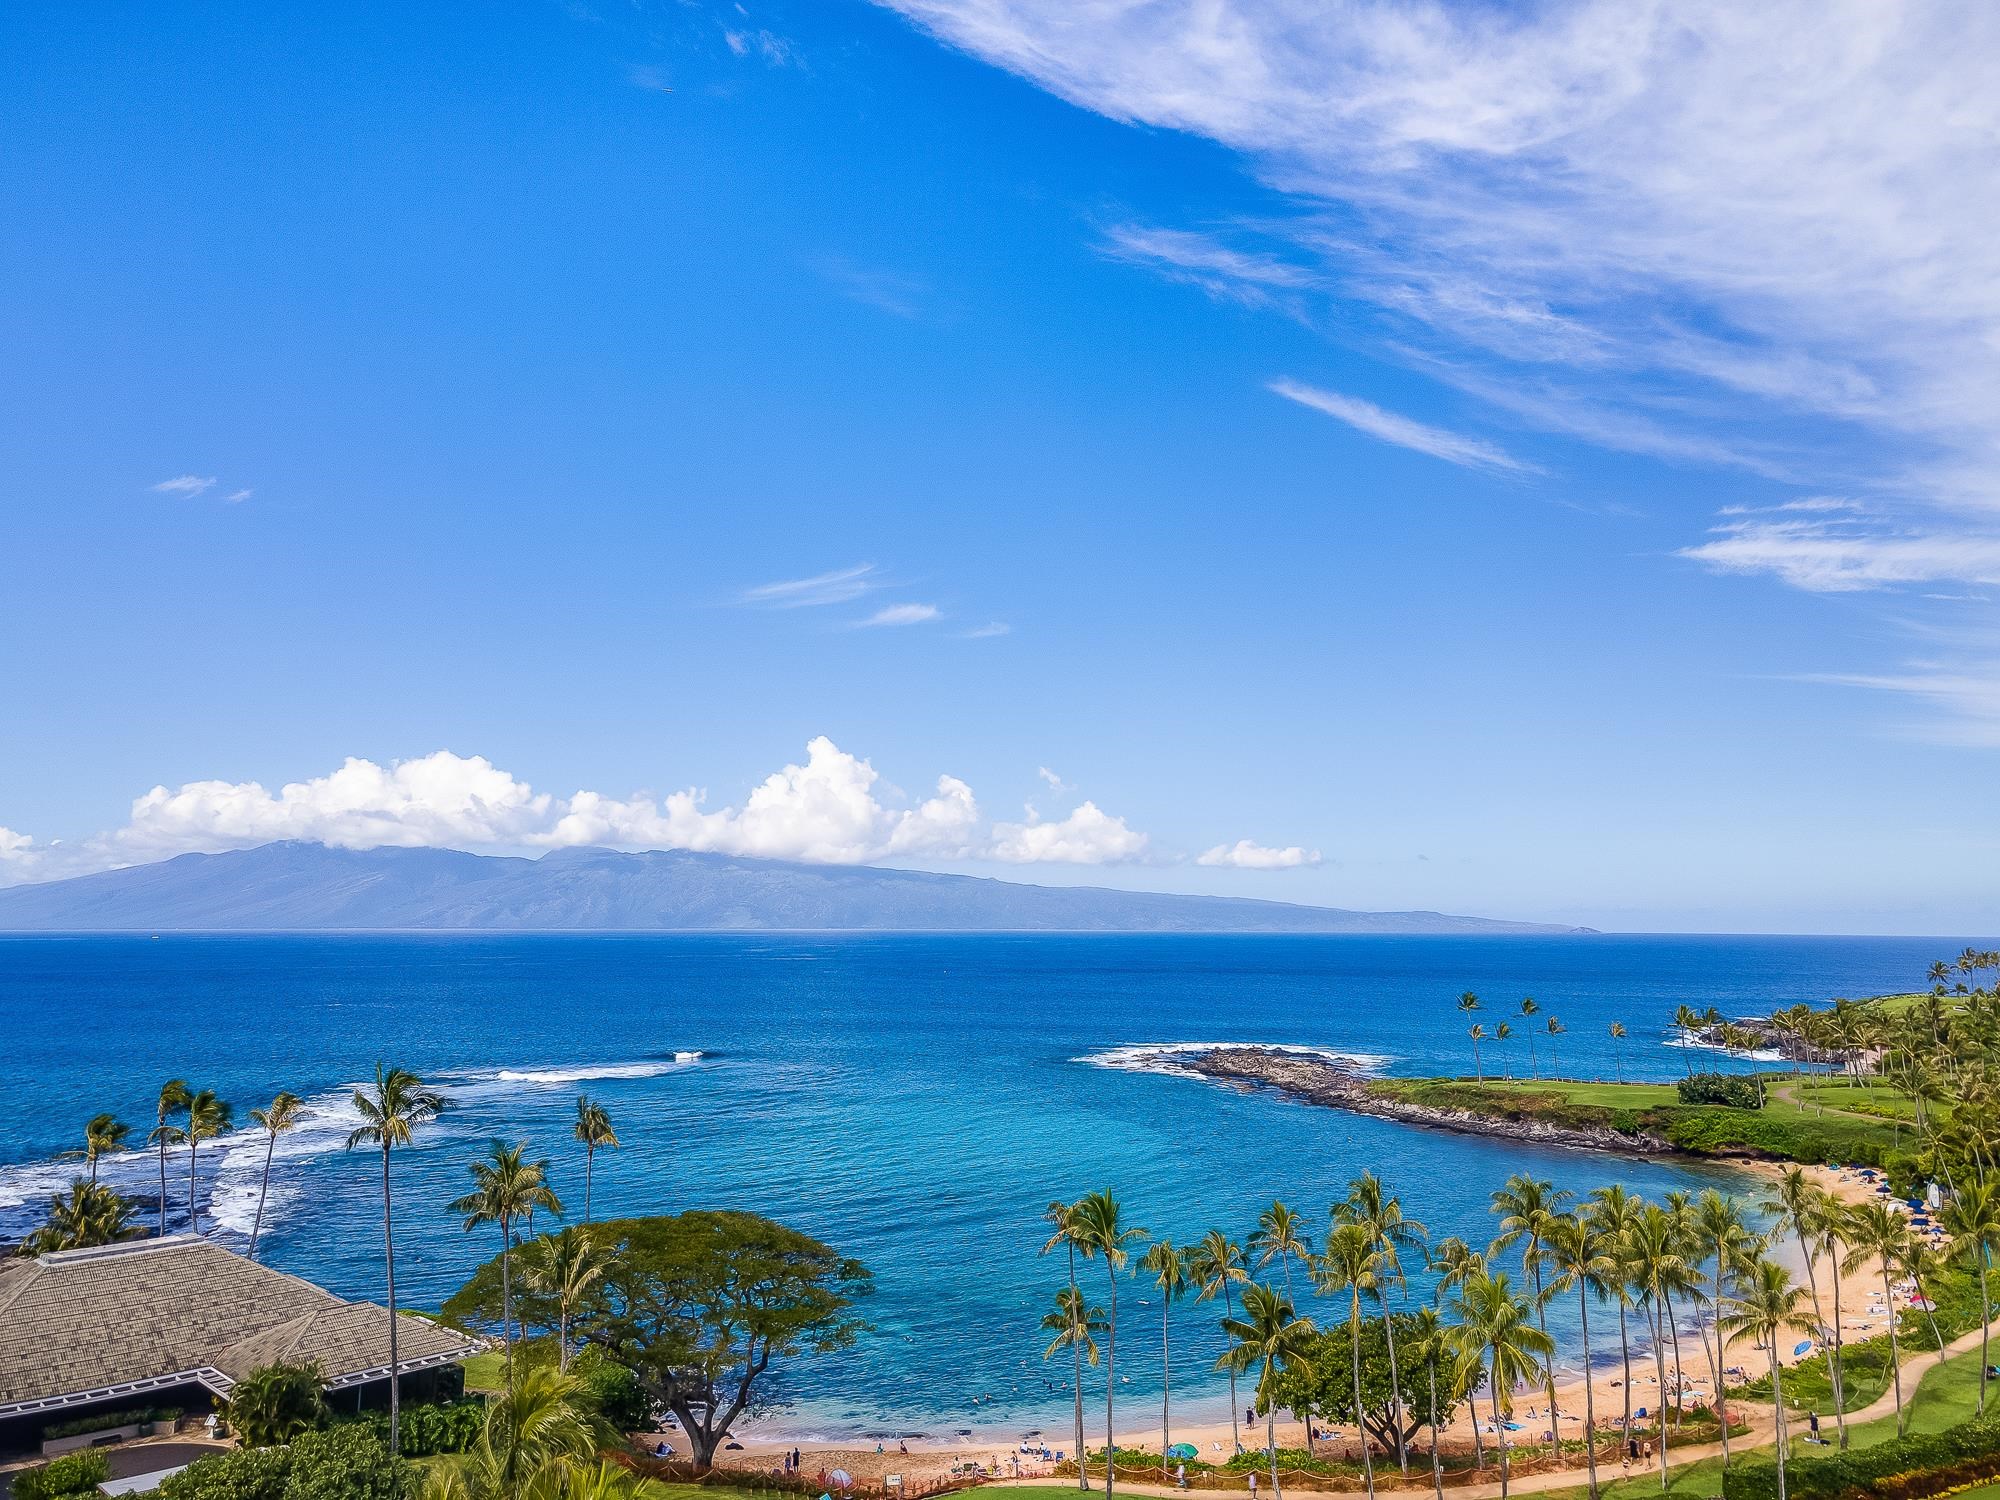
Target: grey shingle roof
{"x":83,"y":1322}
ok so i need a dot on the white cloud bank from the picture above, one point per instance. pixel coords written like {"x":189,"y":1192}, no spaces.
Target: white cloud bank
{"x":1247,"y":855}
{"x":833,"y":809}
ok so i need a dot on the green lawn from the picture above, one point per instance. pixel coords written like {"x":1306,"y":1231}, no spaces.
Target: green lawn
{"x":1878,"y":1099}
{"x":485,"y":1372}
{"x":1605,"y":1095}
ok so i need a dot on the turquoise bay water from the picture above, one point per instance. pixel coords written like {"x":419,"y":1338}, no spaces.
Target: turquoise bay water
{"x":915,"y":1100}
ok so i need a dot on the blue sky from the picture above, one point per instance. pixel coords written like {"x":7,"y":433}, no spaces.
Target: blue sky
{"x":1538,"y":461}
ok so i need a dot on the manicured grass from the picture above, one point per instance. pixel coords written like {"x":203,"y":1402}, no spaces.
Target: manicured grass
{"x":1878,"y":1099}
{"x":1606,"y":1095}
{"x":485,"y":1372}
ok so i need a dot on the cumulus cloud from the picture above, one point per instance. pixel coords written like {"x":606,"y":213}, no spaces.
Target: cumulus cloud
{"x":18,"y":855}
{"x":1245,"y":854}
{"x":1088,"y":836}
{"x":902,"y":614}
{"x":1404,"y":432}
{"x":186,"y":484}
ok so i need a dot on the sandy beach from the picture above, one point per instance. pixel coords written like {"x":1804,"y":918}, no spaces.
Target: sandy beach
{"x":1003,"y":1451}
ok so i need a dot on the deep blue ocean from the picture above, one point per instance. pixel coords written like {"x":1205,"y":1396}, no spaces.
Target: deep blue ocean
{"x":915,"y":1100}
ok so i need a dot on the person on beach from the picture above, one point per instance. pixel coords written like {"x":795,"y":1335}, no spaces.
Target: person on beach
{"x":1253,"y":1484}
{"x":1812,"y":1422}
{"x":1180,"y":1476}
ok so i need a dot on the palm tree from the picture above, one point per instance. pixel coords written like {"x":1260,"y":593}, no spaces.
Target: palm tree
{"x":1500,"y":1034}
{"x":1555,"y":1029}
{"x":1496,"y":1321}
{"x":1527,"y":1206}
{"x":506,"y":1189}
{"x":1972,"y":1218}
{"x":1830,"y":1220}
{"x":543,"y":1428}
{"x":1803,"y":1208}
{"x":1687,"y":1021}
{"x":1216,"y":1265}
{"x":1876,"y":1231}
{"x":277,"y":1118}
{"x":1062,"y":1215}
{"x":88,"y":1216}
{"x":1719,"y":1228}
{"x":1618,"y":1052}
{"x":1613,"y":1211}
{"x":208,"y":1117}
{"x":1478,"y":1035}
{"x":1099,"y":1232}
{"x":1389,"y":1233}
{"x":102,"y":1134}
{"x":1351,"y":1265}
{"x":1269,"y":1338}
{"x":1467,"y":1004}
{"x":1432,"y":1343}
{"x":1169,"y":1270}
{"x":174,"y":1098}
{"x":1766,"y":1306}
{"x":1573,"y":1248}
{"x":1076,"y":1327}
{"x":565,"y":1265}
{"x":391,"y":1114}
{"x":1656,"y":1263}
{"x":1528,"y":1009}
{"x":593,"y":1128}
{"x":1279,"y":1236}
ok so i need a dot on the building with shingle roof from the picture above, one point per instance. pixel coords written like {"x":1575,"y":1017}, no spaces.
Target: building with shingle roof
{"x":149,"y":1321}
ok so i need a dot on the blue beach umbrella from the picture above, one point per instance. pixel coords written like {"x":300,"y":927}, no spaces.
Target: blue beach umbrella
{"x":1803,"y":1348}
{"x":1183,"y":1450}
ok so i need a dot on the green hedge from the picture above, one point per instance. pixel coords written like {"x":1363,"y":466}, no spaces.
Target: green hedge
{"x":1969,"y":1451}
{"x":344,"y":1463}
{"x":1731,"y":1090}
{"x":430,"y":1429}
{"x":1709,"y":1129}
{"x":105,"y":1421}
{"x":72,"y":1474}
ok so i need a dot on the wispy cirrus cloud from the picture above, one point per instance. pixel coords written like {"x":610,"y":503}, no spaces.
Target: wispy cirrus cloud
{"x":1403,"y":432}
{"x":901,"y":614}
{"x":839,"y":586}
{"x":1829,"y":545}
{"x":186,"y":484}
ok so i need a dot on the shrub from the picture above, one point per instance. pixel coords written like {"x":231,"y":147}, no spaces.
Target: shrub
{"x":1917,"y":1465}
{"x":1731,"y":1090}
{"x":616,"y":1391}
{"x":240,"y":1474}
{"x":105,"y":1421}
{"x":347,"y":1463}
{"x":431,"y":1429}
{"x":276,"y":1403}
{"x":72,"y":1474}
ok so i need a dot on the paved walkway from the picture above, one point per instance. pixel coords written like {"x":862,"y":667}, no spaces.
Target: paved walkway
{"x":1762,"y":1430}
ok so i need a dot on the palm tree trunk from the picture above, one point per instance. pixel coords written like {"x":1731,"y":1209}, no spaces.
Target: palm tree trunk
{"x":1395,"y":1383}
{"x":507,"y":1302}
{"x":1354,"y":1335}
{"x":389,"y":1261}
{"x":1719,"y":1369}
{"x":263,"y":1193}
{"x":589,"y":1161}
{"x":163,"y":1187}
{"x":1895,"y":1359}
{"x":1499,"y":1434}
{"x":1110,"y":1381}
{"x":1839,"y":1383}
{"x":194,"y":1210}
{"x":1625,"y":1358}
{"x":1985,"y":1323}
{"x":1674,"y":1336}
{"x":1660,"y":1370}
{"x":562,"y":1338}
{"x":1236,"y":1437}
{"x":1479,"y":1071}
{"x":1166,"y":1385}
{"x":1437,"y":1469}
{"x":1271,"y":1448}
{"x":1777,"y":1408}
{"x":1549,"y":1362}
{"x":1076,"y":1350}
{"x":1589,"y":1401}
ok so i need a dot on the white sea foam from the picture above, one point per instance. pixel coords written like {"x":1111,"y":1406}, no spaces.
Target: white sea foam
{"x":1160,"y":1057}
{"x":1682,"y":1042}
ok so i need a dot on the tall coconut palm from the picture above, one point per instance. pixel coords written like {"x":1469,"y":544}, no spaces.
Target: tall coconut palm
{"x":1527,"y":1207}
{"x":1168,"y":1266}
{"x":1076,"y":1325}
{"x":1687,"y":1021}
{"x":1063,"y":1217}
{"x":1808,"y":1211}
{"x":1767,"y":1306}
{"x":102,"y":1134}
{"x":1501,"y":1034}
{"x":1972,"y":1218}
{"x":1573,"y":1249}
{"x":1497,"y":1322}
{"x":1280,"y":1235}
{"x":537,"y":1436}
{"x":1271,"y":1339}
{"x":89,"y":1215}
{"x":1528,"y":1010}
{"x":593,"y":1128}
{"x":1217,"y":1265}
{"x":1618,"y":1035}
{"x":1351,"y":1265}
{"x":1725,"y":1238}
{"x":208,"y":1117}
{"x":1434,"y":1347}
{"x":1613,"y":1211}
{"x":1467,"y":1004}
{"x":1555,"y":1028}
{"x":174,"y":1098}
{"x":1875,"y":1231}
{"x":1371,"y":1206}
{"x":506,"y":1188}
{"x":1099,"y":1232}
{"x":277,"y":1118}
{"x":1478,"y":1035}
{"x":1656,"y":1263}
{"x":392,"y":1112}
{"x":565,"y":1265}
{"x":1830,"y":1221}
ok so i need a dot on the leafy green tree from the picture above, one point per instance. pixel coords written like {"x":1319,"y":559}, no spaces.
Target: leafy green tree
{"x":237,"y":1474}
{"x":276,"y":1403}
{"x":545,"y":1421}
{"x":342,"y":1463}
{"x":1281,"y":1236}
{"x":1395,"y":1402}
{"x":1723,"y":1235}
{"x":1528,"y":1010}
{"x":506,"y":1190}
{"x":701,"y":1307}
{"x":1100,"y":1232}
{"x":593,"y":1129}
{"x":88,"y":1215}
{"x":1618,"y":1034}
{"x":391,"y":1113}
{"x":74,"y":1474}
{"x":280,"y":1117}
{"x":1271,"y":1339}
{"x":1478,"y":1035}
{"x":1074,"y":1325}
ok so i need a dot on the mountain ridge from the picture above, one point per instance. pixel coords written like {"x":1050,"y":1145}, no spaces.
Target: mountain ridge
{"x":299,"y":887}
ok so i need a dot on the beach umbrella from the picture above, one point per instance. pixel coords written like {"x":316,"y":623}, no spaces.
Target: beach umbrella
{"x":1184,"y":1450}
{"x":841,"y":1479}
{"x":1803,"y":1348}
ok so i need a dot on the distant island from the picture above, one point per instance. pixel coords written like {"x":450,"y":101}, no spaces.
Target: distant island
{"x":300,"y":887}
